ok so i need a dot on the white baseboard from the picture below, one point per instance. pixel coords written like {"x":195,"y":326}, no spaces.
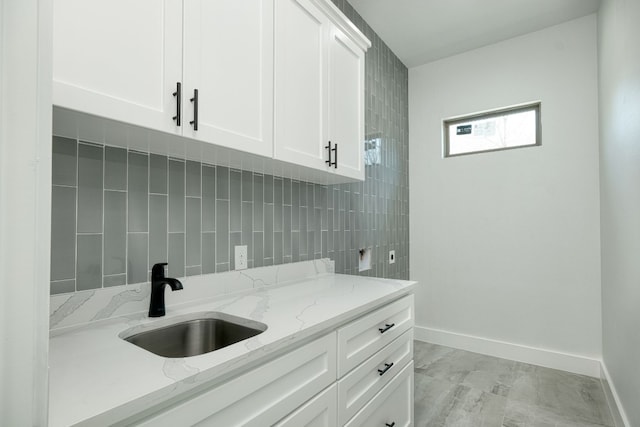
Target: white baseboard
{"x":535,"y":356}
{"x":617,"y":411}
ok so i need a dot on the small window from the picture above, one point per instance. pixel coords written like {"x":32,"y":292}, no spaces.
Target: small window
{"x":495,"y":130}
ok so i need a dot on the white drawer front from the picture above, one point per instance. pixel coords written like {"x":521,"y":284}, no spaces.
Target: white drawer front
{"x":361,"y":338}
{"x":262,"y":396}
{"x":392,"y":406}
{"x":361,"y":384}
{"x":321,"y":411}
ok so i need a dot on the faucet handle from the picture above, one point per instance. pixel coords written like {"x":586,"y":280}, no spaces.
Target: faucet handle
{"x":157,"y":272}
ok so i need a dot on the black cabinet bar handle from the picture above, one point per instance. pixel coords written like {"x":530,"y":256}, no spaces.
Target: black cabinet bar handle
{"x":390,"y":425}
{"x":328,"y":147}
{"x":335,"y":156}
{"x":178,"y":95}
{"x":387,"y":366}
{"x":194,"y":122}
{"x":386,"y":327}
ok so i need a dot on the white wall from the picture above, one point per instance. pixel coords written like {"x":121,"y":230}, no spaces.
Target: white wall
{"x":25,"y":213}
{"x":619,"y":44}
{"x":506,"y":244}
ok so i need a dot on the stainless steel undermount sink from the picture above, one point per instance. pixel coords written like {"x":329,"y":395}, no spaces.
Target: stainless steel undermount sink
{"x":194,"y":334}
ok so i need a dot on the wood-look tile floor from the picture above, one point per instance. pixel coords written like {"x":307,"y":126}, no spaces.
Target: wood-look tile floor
{"x":456,"y":388}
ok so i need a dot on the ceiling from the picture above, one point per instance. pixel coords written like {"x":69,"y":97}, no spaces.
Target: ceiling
{"x":421,"y":31}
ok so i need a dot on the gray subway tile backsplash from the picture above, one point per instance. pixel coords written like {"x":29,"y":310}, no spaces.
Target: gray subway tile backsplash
{"x":89,"y":262}
{"x":138,"y":192}
{"x":247,"y":225}
{"x":192,"y":214}
{"x":193,"y":271}
{"x":278,"y":248}
{"x":277,"y":217}
{"x":258,"y":258}
{"x":176,"y":195}
{"x":137,"y":257}
{"x":115,"y":168}
{"x":208,"y":198}
{"x":222,"y":231}
{"x":208,"y":253}
{"x":63,"y":233}
{"x":235,"y":201}
{"x":90,"y":163}
{"x":157,"y":228}
{"x":247,"y":186}
{"x":258,"y":202}
{"x":115,"y":232}
{"x":295,"y":246}
{"x":194,"y":232}
{"x":268,"y":230}
{"x":176,"y":256}
{"x":158,"y":174}
{"x":194,"y":179}
{"x":277,"y":191}
{"x":222,"y":183}
{"x":268,"y":188}
{"x":65,"y":159}
{"x":63,"y":286}
{"x":115,"y":280}
{"x":235,"y":239}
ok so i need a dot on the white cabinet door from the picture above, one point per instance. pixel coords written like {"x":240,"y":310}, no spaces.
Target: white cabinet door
{"x":262,"y":396}
{"x":346,"y":104}
{"x":119,"y":59}
{"x":392,"y":406}
{"x":318,"y":412}
{"x":228,"y":58}
{"x":300,"y":83}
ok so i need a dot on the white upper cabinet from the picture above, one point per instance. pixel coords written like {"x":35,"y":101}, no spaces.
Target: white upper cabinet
{"x":300,"y":90}
{"x":228,"y":59}
{"x":119,"y":59}
{"x":346,"y":104}
{"x":281,"y":79}
{"x":319,"y":91}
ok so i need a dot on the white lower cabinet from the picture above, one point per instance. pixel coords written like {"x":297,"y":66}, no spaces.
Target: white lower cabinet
{"x":262,"y":396}
{"x":305,"y":388}
{"x":392,"y":406}
{"x":318,"y":412}
{"x":362,"y":384}
{"x":361,"y":338}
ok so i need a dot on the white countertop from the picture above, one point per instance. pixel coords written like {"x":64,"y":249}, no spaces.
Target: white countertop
{"x":97,"y":378}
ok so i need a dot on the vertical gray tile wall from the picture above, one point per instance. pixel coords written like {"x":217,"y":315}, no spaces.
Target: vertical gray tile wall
{"x":117,"y":212}
{"x":376,"y":212}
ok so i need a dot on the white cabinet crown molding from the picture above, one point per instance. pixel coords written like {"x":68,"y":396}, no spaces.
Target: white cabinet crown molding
{"x":341,"y":21}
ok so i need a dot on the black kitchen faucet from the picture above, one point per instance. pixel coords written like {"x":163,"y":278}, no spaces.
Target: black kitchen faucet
{"x":158,"y":282}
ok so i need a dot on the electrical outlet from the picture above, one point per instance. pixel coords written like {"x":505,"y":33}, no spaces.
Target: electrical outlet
{"x":392,"y":257}
{"x":241,"y":258}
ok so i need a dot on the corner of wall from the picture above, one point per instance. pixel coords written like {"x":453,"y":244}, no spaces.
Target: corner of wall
{"x":617,"y":411}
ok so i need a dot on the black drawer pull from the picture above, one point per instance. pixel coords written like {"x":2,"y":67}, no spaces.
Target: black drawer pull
{"x":333,"y":162}
{"x":386,"y":327}
{"x":387,"y":366}
{"x":194,"y":122}
{"x":178,"y":95}
{"x":390,"y":425}
{"x":335,"y":156}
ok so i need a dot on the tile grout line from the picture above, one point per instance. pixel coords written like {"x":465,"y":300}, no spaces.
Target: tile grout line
{"x":75,"y":240}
